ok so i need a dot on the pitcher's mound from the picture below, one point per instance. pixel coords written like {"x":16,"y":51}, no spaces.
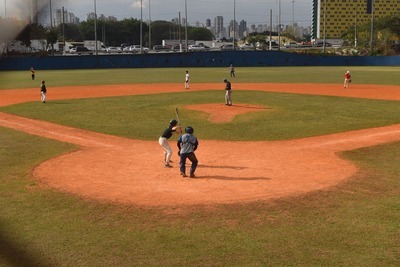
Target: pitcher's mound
{"x":220,"y":113}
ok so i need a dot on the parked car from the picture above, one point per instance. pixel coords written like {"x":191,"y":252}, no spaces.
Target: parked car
{"x":159,"y":48}
{"x":81,"y":50}
{"x":195,"y":48}
{"x":227,"y":47}
{"x":113,"y":49}
{"x":246,"y":47}
{"x":291,"y":45}
{"x":321,"y":43}
{"x":136,"y":49}
{"x":177,"y":48}
{"x":266,"y":45}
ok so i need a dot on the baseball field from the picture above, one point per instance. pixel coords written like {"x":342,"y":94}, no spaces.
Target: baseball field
{"x":298,"y":172}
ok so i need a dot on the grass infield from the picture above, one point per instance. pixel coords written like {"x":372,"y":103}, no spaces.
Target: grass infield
{"x":333,"y":75}
{"x":353,"y":224}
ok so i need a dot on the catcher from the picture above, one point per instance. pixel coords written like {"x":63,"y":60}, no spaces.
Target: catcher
{"x":187,"y":144}
{"x":163,"y":141}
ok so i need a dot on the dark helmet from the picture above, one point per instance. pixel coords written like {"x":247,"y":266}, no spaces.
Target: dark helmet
{"x":225,"y":80}
{"x":189,"y":130}
{"x":173,"y":122}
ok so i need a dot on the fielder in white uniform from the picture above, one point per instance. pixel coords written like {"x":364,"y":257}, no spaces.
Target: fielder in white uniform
{"x":187,"y":79}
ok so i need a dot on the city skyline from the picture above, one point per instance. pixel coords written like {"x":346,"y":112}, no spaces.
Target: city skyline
{"x":252,"y":11}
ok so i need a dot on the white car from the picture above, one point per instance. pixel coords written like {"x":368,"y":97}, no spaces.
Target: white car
{"x":136,"y":49}
{"x":113,"y":49}
{"x":195,"y":48}
{"x":291,"y":45}
{"x":246,"y":47}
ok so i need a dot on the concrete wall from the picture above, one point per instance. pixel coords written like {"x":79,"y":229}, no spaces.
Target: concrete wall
{"x":195,"y":59}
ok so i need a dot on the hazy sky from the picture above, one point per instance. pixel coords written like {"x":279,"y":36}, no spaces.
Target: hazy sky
{"x":252,"y":11}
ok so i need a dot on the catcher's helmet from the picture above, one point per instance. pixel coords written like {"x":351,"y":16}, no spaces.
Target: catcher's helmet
{"x":173,"y":122}
{"x":189,"y":130}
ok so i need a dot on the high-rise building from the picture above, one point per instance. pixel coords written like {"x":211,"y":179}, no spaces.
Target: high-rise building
{"x":332,"y":20}
{"x":208,"y":23}
{"x":218,"y":25}
{"x":242,"y":28}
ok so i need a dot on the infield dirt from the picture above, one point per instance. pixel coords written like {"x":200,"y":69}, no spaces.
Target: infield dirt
{"x":109,"y":168}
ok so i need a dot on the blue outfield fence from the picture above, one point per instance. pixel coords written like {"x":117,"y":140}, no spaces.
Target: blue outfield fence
{"x":193,"y":59}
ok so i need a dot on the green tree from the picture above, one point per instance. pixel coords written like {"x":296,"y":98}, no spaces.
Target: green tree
{"x":51,"y":37}
{"x":386,"y":33}
{"x":196,"y":33}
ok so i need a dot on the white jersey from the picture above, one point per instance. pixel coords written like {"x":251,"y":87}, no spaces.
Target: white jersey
{"x":187,"y":77}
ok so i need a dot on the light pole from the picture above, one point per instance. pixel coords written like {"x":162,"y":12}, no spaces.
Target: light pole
{"x":51,"y":15}
{"x":141,"y":26}
{"x":371,"y":42}
{"x":293,"y":13}
{"x":234,"y":24}
{"x":63,"y":28}
{"x":149,"y":26}
{"x":186,"y":21}
{"x":323,"y":45}
{"x":95,"y":28}
{"x":5,"y":8}
{"x":355,"y":27}
{"x":279,"y":26}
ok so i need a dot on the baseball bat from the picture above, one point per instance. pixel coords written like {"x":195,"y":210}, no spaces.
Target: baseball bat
{"x":177,"y":117}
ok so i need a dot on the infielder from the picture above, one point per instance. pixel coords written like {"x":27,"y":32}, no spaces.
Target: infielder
{"x":228,"y":93}
{"x":187,"y":80}
{"x":347,"y":79}
{"x":187,"y":144}
{"x":163,"y":141}
{"x":43,"y":91}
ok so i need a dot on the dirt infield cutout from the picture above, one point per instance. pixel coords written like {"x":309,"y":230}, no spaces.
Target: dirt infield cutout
{"x":113,"y":169}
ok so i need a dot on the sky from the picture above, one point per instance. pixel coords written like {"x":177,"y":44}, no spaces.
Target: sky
{"x":253,"y":11}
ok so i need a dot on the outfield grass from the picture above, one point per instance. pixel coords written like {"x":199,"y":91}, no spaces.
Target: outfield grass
{"x":353,"y":224}
{"x":360,"y":75}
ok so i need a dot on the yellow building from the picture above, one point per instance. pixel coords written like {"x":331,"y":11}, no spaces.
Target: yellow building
{"x":332,"y":20}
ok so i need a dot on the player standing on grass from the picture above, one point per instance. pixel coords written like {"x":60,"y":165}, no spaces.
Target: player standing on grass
{"x":228,"y":93}
{"x":43,"y":92}
{"x":347,"y":79}
{"x":187,"y":80}
{"x":187,"y":144}
{"x":232,"y":71}
{"x":163,"y":141}
{"x":32,"y":73}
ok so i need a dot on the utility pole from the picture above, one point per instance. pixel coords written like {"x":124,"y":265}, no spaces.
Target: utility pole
{"x":279,"y":26}
{"x":180,"y":36}
{"x":149,"y":26}
{"x":355,"y":27}
{"x":323,"y":45}
{"x":63,"y":28}
{"x":293,"y":13}
{"x":95,"y":28}
{"x":371,"y":42}
{"x":141,"y":26}
{"x":51,"y":16}
{"x":270,"y":30}
{"x":234,"y":24}
{"x":186,"y":24}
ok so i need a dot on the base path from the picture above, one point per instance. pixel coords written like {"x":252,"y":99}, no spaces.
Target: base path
{"x":114,"y":169}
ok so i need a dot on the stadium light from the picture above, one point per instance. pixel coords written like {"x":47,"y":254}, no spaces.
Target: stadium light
{"x":95,"y":28}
